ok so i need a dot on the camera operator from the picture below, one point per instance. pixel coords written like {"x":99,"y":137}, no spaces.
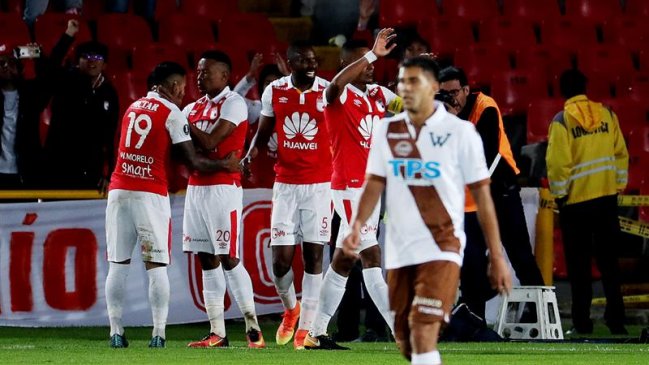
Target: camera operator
{"x":483,"y":112}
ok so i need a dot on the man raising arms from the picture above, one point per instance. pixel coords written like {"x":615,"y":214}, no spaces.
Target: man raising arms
{"x":138,"y":211}
{"x":425,"y":157}
{"x":354,"y":107}
{"x":292,"y":106}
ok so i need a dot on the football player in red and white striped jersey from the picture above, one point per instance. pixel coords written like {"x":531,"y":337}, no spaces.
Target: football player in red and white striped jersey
{"x":354,"y":105}
{"x":292,"y":107}
{"x":138,"y":211}
{"x":213,"y":204}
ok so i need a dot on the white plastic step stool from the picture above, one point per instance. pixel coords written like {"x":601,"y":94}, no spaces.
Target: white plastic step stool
{"x":530,"y":313}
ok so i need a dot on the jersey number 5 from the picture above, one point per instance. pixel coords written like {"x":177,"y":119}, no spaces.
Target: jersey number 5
{"x":136,"y":122}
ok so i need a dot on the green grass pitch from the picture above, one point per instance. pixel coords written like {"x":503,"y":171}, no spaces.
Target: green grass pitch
{"x":90,"y":346}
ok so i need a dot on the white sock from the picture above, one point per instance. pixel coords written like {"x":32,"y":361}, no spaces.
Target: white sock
{"x":240,"y":286}
{"x":428,"y":358}
{"x":214,"y":293}
{"x":159,"y":299}
{"x":311,"y":284}
{"x":115,"y":290}
{"x":286,"y":290}
{"x":333,"y":289}
{"x":378,"y":290}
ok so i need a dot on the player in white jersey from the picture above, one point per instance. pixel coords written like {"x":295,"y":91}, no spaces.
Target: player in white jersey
{"x":138,"y":212}
{"x":213,"y":204}
{"x":424,"y":158}
{"x":354,"y":107}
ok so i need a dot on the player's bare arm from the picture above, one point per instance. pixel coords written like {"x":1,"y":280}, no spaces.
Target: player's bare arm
{"x":351,"y":72}
{"x":374,"y":186}
{"x":261,"y":138}
{"x":209,"y":141}
{"x":230,"y":163}
{"x":499,"y":274}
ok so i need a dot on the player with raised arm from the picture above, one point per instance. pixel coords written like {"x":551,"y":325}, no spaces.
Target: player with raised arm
{"x":292,"y":106}
{"x":353,"y":110}
{"x":138,"y":210}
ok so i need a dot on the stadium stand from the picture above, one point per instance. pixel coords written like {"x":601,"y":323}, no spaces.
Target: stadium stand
{"x":597,"y":10}
{"x":514,"y":89}
{"x":531,"y":9}
{"x":48,"y":28}
{"x":473,"y":10}
{"x":539,"y":115}
{"x":397,"y":13}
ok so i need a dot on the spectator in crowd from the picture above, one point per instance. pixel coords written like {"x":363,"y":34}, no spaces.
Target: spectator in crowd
{"x":138,"y":211}
{"x":22,"y":101}
{"x":334,"y":17}
{"x":144,"y":8}
{"x":367,"y":8}
{"x":415,"y":46}
{"x":587,"y":164}
{"x":261,"y":168}
{"x":424,"y":182}
{"x":483,"y":112}
{"x":36,"y":8}
{"x":79,"y":147}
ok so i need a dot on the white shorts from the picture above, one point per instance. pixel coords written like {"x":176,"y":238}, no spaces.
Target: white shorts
{"x":346,"y":205}
{"x":138,"y":218}
{"x":301,"y":212}
{"x":211,"y":219}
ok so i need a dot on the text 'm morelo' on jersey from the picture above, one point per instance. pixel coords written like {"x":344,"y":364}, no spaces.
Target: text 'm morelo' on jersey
{"x":149,"y":127}
{"x":303,"y":150}
{"x":425,"y":179}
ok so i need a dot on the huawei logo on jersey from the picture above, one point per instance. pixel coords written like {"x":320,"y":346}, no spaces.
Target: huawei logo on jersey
{"x":300,"y":124}
{"x":366,"y":127}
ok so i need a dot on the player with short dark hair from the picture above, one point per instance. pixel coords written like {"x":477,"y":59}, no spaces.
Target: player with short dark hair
{"x":424,"y":158}
{"x":138,"y":211}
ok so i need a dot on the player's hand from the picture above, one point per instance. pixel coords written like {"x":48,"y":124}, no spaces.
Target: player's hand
{"x":381,"y":43}
{"x":102,"y":186}
{"x":245,"y":162}
{"x":499,"y":275}
{"x":73,"y":27}
{"x":352,"y":241}
{"x":255,"y":64}
{"x":232,"y":163}
{"x":281,"y":64}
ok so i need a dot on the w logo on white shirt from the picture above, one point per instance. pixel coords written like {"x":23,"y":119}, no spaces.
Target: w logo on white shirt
{"x":367,"y":126}
{"x":300,"y":124}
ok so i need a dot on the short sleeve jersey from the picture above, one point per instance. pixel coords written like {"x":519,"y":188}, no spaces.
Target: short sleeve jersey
{"x":204,"y":114}
{"x":303,"y":150}
{"x":425,"y":179}
{"x":149,"y":127}
{"x":351,"y":120}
